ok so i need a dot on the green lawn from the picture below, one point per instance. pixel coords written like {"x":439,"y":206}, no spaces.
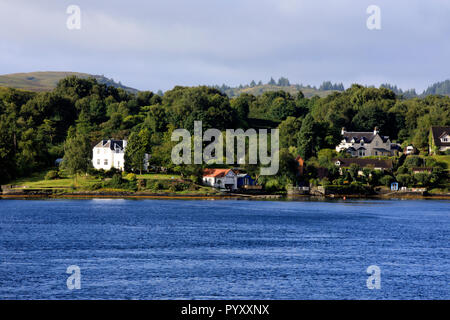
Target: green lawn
{"x":445,"y":159}
{"x":158,"y":176}
{"x":37,"y":181}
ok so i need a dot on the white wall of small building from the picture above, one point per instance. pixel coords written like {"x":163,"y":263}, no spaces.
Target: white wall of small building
{"x":105,"y":158}
{"x":229,"y":179}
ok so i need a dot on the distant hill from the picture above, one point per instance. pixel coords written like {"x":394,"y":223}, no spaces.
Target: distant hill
{"x":47,"y":80}
{"x":326,"y":88}
{"x":257,"y":90}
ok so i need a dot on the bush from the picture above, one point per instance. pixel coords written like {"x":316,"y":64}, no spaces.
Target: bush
{"x":273,"y":185}
{"x":402,"y":170}
{"x":141,"y":184}
{"x":95,"y":186}
{"x":131,"y":177}
{"x":386,"y":180}
{"x":413,"y":161}
{"x":52,"y":175}
{"x":116,"y":182}
{"x":447,"y":152}
{"x":422,"y":178}
{"x":405,"y":179}
{"x":112,"y":172}
{"x":154,"y":185}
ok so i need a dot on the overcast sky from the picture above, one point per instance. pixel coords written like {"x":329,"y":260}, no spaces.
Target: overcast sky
{"x":159,"y":44}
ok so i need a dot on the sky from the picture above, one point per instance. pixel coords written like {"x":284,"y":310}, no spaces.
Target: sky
{"x":152,"y":45}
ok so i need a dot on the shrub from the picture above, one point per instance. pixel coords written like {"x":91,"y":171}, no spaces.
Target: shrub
{"x":413,"y":161}
{"x":52,"y":175}
{"x":131,"y":177}
{"x":422,"y":178}
{"x":402,"y":170}
{"x":405,"y":179}
{"x":95,"y":186}
{"x":116,"y":182}
{"x":273,"y":185}
{"x":141,"y":184}
{"x":112,"y":172}
{"x":386,"y":180}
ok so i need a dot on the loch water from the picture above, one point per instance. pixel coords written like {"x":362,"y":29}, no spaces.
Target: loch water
{"x":224,"y":249}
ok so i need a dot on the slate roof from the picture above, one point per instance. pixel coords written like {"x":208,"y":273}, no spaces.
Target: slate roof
{"x":439,"y":132}
{"x":366,"y":137}
{"x":111,"y":144}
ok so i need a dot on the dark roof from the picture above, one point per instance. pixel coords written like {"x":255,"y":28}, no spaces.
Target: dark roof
{"x":367,"y":137}
{"x":377,"y":163}
{"x":438,"y":132}
{"x":112,"y":144}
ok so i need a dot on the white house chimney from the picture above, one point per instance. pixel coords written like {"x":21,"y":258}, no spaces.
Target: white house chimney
{"x":343,"y":131}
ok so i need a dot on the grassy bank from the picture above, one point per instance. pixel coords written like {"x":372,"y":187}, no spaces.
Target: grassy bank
{"x":145,"y":183}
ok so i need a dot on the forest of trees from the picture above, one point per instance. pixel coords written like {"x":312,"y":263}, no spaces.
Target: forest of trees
{"x":38,"y":128}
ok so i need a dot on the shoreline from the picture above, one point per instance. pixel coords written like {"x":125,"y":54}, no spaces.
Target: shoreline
{"x":231,"y":196}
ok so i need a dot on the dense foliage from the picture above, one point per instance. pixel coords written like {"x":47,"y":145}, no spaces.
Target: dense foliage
{"x":38,"y":128}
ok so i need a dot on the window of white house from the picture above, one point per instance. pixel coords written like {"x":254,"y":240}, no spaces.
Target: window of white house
{"x":118,"y":163}
{"x":98,"y":161}
{"x":444,"y":139}
{"x":98,"y":151}
{"x":105,"y":162}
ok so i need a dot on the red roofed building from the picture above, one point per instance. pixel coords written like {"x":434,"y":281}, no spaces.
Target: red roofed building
{"x":220,"y":178}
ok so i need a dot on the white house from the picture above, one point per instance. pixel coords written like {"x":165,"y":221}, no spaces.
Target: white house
{"x":440,"y":139}
{"x":220,"y":178}
{"x":364,"y":144}
{"x":109,"y":154}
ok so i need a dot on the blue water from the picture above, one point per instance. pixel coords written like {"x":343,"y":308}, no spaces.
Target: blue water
{"x":162,"y":249}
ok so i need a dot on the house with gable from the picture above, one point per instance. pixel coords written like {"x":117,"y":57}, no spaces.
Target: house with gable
{"x":110,"y":153}
{"x":439,"y":139}
{"x":364,"y":144}
{"x":220,"y":178}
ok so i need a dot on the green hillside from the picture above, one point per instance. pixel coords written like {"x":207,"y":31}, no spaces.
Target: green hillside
{"x":46,"y":81}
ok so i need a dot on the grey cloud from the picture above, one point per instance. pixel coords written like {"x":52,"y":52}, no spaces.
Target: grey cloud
{"x":158,"y":44}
